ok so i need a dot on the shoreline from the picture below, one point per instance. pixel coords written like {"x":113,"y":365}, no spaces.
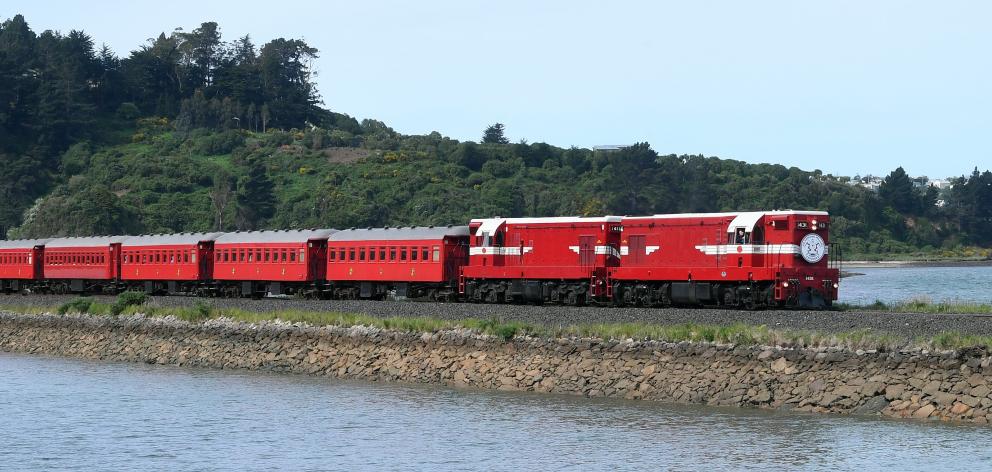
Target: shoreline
{"x":920,"y":263}
{"x":953,"y":385}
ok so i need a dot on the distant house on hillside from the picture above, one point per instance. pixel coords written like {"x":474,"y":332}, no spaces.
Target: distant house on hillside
{"x":610,"y":147}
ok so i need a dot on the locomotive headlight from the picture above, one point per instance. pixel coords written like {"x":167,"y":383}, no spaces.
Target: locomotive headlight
{"x":813,"y":227}
{"x":785,"y":284}
{"x":836,"y":285}
{"x":814,"y":223}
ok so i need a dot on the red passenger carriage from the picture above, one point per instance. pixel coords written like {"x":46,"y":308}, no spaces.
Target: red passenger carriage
{"x":257,"y":263}
{"x":85,"y":264}
{"x":21,"y":263}
{"x":740,"y":259}
{"x":410,"y":262}
{"x":168,"y":263}
{"x":560,"y":260}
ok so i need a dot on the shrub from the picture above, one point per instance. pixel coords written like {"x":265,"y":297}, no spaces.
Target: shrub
{"x":218,"y":143}
{"x":79,"y":305}
{"x":127,"y":299}
{"x":128,"y":111}
{"x":203,"y":311}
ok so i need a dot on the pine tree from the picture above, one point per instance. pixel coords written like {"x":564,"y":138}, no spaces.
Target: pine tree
{"x":494,"y":135}
{"x":255,"y":196}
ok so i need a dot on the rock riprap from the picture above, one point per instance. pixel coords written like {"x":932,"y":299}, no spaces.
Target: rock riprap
{"x":951,"y":385}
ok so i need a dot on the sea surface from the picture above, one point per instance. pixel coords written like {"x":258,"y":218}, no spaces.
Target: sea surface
{"x":936,"y":284}
{"x":64,"y":414}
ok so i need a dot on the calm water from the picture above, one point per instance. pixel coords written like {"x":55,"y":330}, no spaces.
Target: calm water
{"x":970,"y":284}
{"x":82,"y":415}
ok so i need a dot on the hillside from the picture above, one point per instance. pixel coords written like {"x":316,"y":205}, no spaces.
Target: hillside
{"x":148,"y":150}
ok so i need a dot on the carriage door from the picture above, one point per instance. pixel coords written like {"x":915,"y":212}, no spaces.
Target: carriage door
{"x":587,"y":250}
{"x":39,"y":262}
{"x":206,"y":255}
{"x":317,"y":265}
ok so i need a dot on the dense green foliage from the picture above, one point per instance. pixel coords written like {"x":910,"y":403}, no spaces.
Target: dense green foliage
{"x":189,"y":134}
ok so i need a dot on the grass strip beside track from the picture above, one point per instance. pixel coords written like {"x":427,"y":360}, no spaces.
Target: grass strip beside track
{"x":738,"y":334}
{"x":922,"y":305}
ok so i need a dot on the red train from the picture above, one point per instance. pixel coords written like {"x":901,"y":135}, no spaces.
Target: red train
{"x":742,"y":259}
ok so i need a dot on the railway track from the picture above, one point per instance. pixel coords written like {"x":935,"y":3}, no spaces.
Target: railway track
{"x":909,"y":325}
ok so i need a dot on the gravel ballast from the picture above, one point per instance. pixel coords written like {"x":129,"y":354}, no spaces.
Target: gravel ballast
{"x":908,"y":325}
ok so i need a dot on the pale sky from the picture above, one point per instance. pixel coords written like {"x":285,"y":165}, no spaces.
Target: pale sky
{"x":848,"y":87}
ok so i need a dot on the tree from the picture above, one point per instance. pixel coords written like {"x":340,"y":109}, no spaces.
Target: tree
{"x":631,"y":172}
{"x":220,"y":196}
{"x":202,"y":52}
{"x":897,"y":192}
{"x":287,"y":80}
{"x":255,"y":197}
{"x":266,"y":116}
{"x":494,"y":135}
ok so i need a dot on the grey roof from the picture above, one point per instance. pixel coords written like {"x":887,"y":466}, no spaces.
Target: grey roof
{"x":279,"y":236}
{"x":87,"y":241}
{"x":176,"y":239}
{"x":23,"y":243}
{"x":412,"y":233}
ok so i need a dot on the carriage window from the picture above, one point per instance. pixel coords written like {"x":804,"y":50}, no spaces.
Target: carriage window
{"x":413,"y":254}
{"x":258,"y":255}
{"x":372,"y":254}
{"x":302,"y":252}
{"x":172,"y":257}
{"x":186,"y":256}
{"x":351,"y":254}
{"x":283,"y":258}
{"x":361,"y":254}
{"x":392,"y":253}
{"x":382,"y":254}
{"x":266,"y":253}
{"x":437,"y":253}
{"x":341,"y":254}
{"x":333,"y":254}
{"x":425,"y":254}
{"x":403,"y":254}
{"x":292,"y":256}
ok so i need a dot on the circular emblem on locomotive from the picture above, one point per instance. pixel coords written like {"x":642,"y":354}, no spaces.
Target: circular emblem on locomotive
{"x":812,"y":248}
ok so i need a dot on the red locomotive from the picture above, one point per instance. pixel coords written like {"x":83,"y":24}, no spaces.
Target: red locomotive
{"x":558,"y":260}
{"x":743,"y":259}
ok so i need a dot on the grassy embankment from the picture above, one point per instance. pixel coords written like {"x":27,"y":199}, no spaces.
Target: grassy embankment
{"x":922,"y":305}
{"x":741,"y":334}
